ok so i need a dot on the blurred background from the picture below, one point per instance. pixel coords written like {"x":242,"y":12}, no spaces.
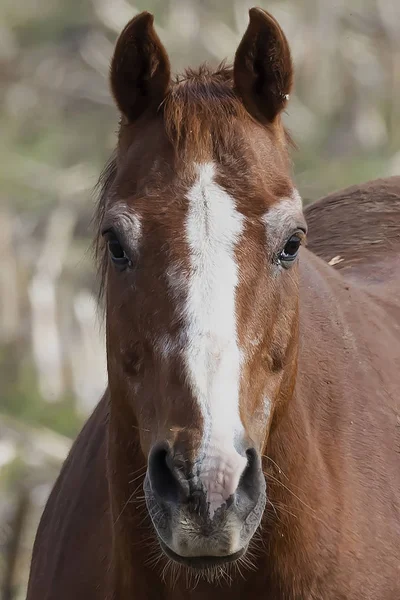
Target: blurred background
{"x":58,"y":126}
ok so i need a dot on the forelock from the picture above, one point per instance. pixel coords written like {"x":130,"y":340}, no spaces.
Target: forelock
{"x":200,"y":112}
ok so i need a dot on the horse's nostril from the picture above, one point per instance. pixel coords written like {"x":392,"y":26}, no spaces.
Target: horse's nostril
{"x":166,"y":481}
{"x":252,"y":477}
{"x":252,"y":458}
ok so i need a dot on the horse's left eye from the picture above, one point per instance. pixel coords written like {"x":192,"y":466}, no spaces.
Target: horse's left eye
{"x":290,"y":251}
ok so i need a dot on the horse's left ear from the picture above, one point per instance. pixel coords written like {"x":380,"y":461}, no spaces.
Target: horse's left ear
{"x":263,"y":70}
{"x":140,"y":69}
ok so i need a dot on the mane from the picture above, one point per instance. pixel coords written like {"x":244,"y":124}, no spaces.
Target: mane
{"x":101,"y":193}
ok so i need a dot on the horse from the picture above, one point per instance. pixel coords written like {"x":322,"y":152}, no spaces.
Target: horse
{"x":247,"y":445}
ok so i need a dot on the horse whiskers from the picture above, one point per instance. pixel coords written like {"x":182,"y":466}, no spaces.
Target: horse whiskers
{"x":273,"y":507}
{"x":268,"y":475}
{"x":164,"y":572}
{"x":175,"y":574}
{"x":171,"y":572}
{"x":139,"y":504}
{"x":297,"y":487}
{"x":142,"y":469}
{"x":281,"y":507}
{"x":257,"y":545}
{"x":276,"y":465}
{"x":141,"y":475}
{"x":143,"y":541}
{"x":142,"y":512}
{"x":313,"y":512}
{"x":213,"y":575}
{"x":237,"y":569}
{"x":123,"y":508}
{"x":155,"y":555}
{"x":154,"y":561}
{"x":139,"y":501}
{"x":148,"y":516}
{"x":142,"y":499}
{"x":276,"y":507}
{"x":137,"y":489}
{"x":251,"y":555}
{"x":152,"y":544}
{"x":140,"y":428}
{"x":226,"y":576}
{"x":249,"y":559}
{"x":174,"y":570}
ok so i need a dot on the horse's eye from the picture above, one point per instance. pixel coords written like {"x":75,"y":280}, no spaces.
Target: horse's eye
{"x":290,"y":251}
{"x":117,"y":253}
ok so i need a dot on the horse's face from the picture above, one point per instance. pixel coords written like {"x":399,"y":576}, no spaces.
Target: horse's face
{"x":202,"y":225}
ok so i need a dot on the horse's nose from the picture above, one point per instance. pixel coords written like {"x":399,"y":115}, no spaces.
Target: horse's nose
{"x":220,"y":481}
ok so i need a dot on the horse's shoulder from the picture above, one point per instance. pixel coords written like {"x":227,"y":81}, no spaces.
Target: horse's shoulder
{"x":76,"y":515}
{"x":87,"y":455}
{"x":357,"y":225}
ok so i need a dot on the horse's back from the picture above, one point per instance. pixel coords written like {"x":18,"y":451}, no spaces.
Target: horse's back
{"x":71,"y":551}
{"x":358,"y":231}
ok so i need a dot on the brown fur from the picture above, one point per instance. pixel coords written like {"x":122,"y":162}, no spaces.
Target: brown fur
{"x":328,"y":357}
{"x":334,"y":479}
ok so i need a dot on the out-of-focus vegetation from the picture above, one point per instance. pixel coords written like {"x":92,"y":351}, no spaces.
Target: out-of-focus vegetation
{"x":58,"y":125}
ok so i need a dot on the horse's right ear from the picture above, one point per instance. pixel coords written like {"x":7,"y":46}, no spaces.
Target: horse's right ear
{"x":140,"y":69}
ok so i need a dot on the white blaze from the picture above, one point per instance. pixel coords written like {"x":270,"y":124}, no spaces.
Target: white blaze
{"x":212,"y":355}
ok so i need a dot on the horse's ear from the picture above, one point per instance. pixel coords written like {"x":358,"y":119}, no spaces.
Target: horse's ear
{"x":263,"y":71}
{"x":140,"y":69}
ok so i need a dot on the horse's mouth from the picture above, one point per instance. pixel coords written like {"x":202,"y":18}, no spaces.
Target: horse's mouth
{"x":201,"y":563}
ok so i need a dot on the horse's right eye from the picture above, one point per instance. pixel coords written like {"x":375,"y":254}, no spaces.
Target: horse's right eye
{"x":117,"y":253}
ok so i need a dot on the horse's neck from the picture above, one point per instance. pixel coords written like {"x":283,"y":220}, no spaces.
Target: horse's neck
{"x":340,"y":348}
{"x":333,"y":356}
{"x":131,"y":528}
{"x":311,"y":443}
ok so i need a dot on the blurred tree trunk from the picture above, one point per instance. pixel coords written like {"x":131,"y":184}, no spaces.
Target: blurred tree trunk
{"x":15,"y":530}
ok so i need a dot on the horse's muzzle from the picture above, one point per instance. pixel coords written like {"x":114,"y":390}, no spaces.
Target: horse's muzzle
{"x":189,"y":529}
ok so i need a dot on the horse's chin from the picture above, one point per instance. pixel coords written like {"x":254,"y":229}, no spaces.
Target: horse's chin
{"x":207,"y":545}
{"x":202,"y":563}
